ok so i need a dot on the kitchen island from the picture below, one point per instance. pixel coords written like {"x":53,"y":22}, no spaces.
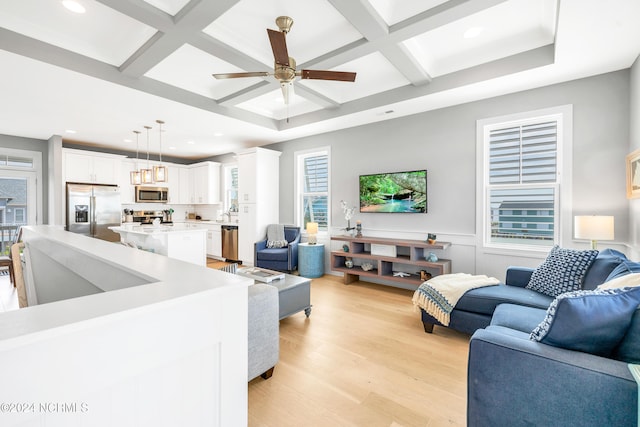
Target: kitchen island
{"x":186,"y":242}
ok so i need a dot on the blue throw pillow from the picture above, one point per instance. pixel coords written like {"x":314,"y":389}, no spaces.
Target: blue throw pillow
{"x":589,"y":321}
{"x":602,"y":266}
{"x":624,"y":268}
{"x":562,"y":271}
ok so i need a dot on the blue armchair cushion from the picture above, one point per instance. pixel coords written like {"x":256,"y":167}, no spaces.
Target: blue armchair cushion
{"x":624,"y":268}
{"x":593,"y":321}
{"x":275,"y":254}
{"x":562,"y":271}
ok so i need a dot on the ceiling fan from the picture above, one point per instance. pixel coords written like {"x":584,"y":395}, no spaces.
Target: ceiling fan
{"x":285,"y":67}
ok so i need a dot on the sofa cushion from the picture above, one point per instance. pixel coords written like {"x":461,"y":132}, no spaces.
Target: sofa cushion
{"x":518,"y":317}
{"x":606,"y":261}
{"x":629,"y":349}
{"x":589,"y":321}
{"x":624,"y":268}
{"x":485,"y":300}
{"x":562,"y":271}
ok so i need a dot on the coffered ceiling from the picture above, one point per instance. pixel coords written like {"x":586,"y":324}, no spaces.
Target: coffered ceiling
{"x":122,"y":64}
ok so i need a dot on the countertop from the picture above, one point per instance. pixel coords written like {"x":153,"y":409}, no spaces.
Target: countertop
{"x":207,"y":222}
{"x":150,"y":229}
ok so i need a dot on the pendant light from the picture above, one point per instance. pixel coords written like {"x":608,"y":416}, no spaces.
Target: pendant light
{"x":135,"y":175}
{"x":159,"y":171}
{"x":147,"y":174}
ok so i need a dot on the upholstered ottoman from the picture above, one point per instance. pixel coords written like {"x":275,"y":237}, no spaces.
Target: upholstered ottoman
{"x":294,"y":294}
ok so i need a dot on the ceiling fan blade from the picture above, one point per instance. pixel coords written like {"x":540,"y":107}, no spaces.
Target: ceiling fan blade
{"x":327,"y":75}
{"x":237,"y":75}
{"x":279,"y":47}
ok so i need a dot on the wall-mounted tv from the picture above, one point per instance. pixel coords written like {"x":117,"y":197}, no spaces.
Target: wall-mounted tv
{"x":397,"y":192}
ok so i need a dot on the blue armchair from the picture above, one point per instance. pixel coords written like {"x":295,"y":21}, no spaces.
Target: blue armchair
{"x":280,"y":259}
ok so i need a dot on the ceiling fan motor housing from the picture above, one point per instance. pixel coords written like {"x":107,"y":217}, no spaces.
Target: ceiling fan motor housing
{"x":285,"y":74}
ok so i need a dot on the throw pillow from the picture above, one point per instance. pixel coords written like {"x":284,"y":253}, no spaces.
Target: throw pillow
{"x":626,"y":281}
{"x":277,"y":243}
{"x":589,"y":321}
{"x":624,"y":268}
{"x":562,"y":271}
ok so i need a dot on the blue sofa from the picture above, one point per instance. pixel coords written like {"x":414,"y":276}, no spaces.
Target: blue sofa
{"x":475,"y":308}
{"x":513,"y":380}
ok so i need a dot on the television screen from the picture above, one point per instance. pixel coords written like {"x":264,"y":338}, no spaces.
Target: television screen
{"x":394,"y":192}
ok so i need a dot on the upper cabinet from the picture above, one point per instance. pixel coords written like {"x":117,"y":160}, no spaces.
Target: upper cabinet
{"x":205,"y":183}
{"x":89,"y":167}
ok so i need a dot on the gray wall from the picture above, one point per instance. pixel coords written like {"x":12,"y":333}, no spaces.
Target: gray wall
{"x":20,"y":143}
{"x":444,"y":142}
{"x":634,"y":144}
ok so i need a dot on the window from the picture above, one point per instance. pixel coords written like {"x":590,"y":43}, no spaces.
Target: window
{"x":312,"y":188}
{"x":18,"y":216}
{"x":521,"y":180}
{"x":231,"y":187}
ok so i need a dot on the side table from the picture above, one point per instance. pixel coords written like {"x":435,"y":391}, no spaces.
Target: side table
{"x":311,"y":260}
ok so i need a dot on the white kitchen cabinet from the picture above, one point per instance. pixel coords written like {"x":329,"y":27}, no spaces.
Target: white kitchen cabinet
{"x":127,"y":190}
{"x":185,"y":186}
{"x":214,"y":240}
{"x":91,"y":167}
{"x":259,"y":201}
{"x":205,"y":183}
{"x":174,"y":183}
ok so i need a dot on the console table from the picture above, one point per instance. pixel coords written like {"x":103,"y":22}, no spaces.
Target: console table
{"x":405,"y":256}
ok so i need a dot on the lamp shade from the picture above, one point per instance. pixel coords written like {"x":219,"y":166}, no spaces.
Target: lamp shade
{"x":312,"y":230}
{"x":594,"y":227}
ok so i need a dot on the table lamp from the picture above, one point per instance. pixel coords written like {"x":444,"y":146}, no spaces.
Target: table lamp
{"x":594,"y":228}
{"x":312,"y":231}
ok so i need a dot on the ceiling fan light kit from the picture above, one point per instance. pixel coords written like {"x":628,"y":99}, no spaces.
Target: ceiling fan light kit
{"x":284,"y":69}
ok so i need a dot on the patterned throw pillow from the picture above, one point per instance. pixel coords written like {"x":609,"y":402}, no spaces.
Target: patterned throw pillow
{"x":277,"y":243}
{"x":589,"y":321}
{"x":562,"y":271}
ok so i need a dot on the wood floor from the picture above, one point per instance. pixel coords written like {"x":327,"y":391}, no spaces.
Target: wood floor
{"x":362,"y":359}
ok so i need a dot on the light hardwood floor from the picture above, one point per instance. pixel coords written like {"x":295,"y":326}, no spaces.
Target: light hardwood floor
{"x":362,"y":359}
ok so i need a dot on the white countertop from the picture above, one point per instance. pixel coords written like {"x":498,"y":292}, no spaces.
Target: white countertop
{"x":207,"y":222}
{"x":151,"y":229}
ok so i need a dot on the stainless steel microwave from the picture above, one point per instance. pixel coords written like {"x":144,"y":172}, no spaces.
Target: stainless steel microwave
{"x":151,"y":194}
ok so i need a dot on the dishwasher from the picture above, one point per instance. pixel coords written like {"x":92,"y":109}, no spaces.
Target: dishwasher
{"x":230,"y":242}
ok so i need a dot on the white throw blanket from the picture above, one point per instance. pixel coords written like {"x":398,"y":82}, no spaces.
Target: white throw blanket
{"x":275,"y":236}
{"x":438,"y":296}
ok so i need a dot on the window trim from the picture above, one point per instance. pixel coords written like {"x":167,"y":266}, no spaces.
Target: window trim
{"x":564,"y":115}
{"x":298,"y":156}
{"x":34,"y":178}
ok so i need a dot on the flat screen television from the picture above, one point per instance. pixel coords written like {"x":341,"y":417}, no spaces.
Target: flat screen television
{"x":395,"y":192}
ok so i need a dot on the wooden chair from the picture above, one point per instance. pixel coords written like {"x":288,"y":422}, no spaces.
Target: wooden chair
{"x":7,"y":261}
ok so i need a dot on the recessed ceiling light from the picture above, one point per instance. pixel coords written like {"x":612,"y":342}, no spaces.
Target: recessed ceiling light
{"x":218,"y":134}
{"x":473,"y":32}
{"x":172,"y":148}
{"x":190,"y":142}
{"x":70,"y":131}
{"x":74,"y":6}
{"x":127,"y":140}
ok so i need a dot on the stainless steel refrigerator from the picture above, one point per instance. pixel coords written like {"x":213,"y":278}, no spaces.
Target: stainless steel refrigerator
{"x":91,"y":209}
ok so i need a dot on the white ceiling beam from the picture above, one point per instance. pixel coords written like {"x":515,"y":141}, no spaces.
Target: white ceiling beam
{"x":524,"y":61}
{"x":54,"y":55}
{"x":185,"y":26}
{"x":370,"y":24}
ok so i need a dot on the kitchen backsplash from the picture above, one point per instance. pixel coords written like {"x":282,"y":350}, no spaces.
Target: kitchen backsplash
{"x":204,"y":211}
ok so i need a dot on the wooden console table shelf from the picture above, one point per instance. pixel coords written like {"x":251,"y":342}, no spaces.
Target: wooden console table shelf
{"x":409,"y":258}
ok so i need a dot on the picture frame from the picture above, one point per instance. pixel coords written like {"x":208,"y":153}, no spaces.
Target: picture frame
{"x":633,"y":174}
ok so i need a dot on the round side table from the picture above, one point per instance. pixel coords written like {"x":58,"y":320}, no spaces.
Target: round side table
{"x":311,"y":260}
